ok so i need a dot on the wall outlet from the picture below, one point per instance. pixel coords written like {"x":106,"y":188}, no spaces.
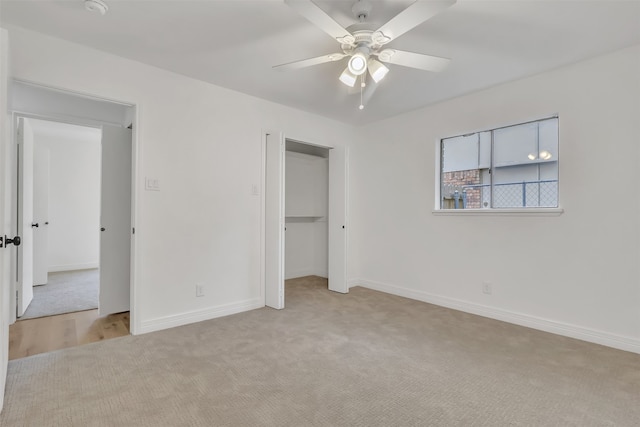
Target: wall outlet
{"x":487,"y":288}
{"x":199,"y":290}
{"x":254,"y":190}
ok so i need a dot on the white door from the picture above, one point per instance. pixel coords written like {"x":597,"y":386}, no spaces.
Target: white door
{"x":115,"y":220}
{"x":274,"y":220}
{"x":337,"y":222}
{"x":25,"y":215}
{"x":40,"y":215}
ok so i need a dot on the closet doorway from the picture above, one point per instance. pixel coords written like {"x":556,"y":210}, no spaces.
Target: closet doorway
{"x":305,"y":217}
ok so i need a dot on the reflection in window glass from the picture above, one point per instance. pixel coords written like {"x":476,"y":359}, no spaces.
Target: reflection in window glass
{"x":510,"y":167}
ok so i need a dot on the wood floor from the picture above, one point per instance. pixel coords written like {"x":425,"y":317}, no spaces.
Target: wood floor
{"x":45,"y":334}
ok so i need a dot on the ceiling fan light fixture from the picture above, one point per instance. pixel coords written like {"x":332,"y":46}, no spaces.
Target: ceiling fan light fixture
{"x":348,"y":78}
{"x":377,"y":70}
{"x":358,"y":63}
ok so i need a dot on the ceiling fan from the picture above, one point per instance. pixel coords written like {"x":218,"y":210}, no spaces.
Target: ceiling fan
{"x":365,"y":46}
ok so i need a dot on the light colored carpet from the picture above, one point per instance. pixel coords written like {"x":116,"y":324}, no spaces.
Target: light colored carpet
{"x":362,"y":359}
{"x":66,"y":292}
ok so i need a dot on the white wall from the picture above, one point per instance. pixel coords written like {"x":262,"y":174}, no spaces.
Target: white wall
{"x":574,"y":274}
{"x":74,"y":196}
{"x":204,"y":145}
{"x":306,"y":203}
{"x":44,"y":102}
{"x":5,"y":208}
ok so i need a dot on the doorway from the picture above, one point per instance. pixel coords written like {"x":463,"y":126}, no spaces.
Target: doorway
{"x":93,"y":247}
{"x":305,"y":218}
{"x":88,"y":193}
{"x":306,"y":210}
{"x":66,"y":218}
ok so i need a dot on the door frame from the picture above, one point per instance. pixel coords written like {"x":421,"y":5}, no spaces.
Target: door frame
{"x":20,"y":163}
{"x":263,"y":200}
{"x":134,"y":327}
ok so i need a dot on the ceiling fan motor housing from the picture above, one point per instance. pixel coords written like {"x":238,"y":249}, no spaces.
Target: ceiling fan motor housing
{"x":362,"y":39}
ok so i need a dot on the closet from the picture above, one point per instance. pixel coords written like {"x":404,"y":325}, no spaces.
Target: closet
{"x":306,"y":210}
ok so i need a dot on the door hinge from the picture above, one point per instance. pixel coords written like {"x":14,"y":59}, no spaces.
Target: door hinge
{"x":133,"y":230}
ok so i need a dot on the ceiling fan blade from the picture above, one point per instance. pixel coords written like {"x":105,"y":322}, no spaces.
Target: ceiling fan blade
{"x":413,"y":16}
{"x":320,"y":19}
{"x":296,"y":65}
{"x":414,"y":60}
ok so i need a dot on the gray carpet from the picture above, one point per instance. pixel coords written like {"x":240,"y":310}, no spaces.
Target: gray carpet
{"x":362,"y":359}
{"x":66,"y":292}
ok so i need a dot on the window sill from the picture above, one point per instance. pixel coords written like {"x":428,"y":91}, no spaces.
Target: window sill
{"x":499,"y":212}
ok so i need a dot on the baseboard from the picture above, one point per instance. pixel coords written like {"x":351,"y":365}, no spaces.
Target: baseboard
{"x":300,"y":273}
{"x":198,"y":315}
{"x":559,"y":328}
{"x":321,"y":273}
{"x":71,"y":267}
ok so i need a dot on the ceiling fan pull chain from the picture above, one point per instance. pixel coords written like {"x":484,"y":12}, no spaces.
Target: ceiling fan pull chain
{"x":361,"y":90}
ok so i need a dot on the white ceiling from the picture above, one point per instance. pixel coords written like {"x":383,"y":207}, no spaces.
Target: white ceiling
{"x":235,"y":43}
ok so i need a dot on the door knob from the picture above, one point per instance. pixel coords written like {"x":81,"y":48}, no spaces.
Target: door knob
{"x":35,"y":224}
{"x":9,"y":240}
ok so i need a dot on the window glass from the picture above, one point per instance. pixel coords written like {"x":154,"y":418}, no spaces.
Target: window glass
{"x":510,"y":167}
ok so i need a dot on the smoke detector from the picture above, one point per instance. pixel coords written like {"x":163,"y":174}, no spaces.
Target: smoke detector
{"x":361,"y":10}
{"x":96,"y":6}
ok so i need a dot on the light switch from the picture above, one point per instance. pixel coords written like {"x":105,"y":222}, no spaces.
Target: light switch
{"x":254,"y":189}
{"x":152,"y":184}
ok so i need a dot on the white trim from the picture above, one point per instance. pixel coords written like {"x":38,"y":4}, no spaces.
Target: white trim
{"x":174,"y":320}
{"x":438,"y":176}
{"x":13,"y":200}
{"x":74,"y":92}
{"x":263,"y":226}
{"x":136,"y":208}
{"x":305,"y":273}
{"x":66,"y":119}
{"x":499,"y":212}
{"x":72,"y":267}
{"x":552,"y":326}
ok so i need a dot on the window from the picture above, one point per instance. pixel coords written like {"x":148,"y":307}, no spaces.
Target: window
{"x":510,"y":167}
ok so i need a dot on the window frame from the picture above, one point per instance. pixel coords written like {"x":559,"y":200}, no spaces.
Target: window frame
{"x":493,"y":211}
